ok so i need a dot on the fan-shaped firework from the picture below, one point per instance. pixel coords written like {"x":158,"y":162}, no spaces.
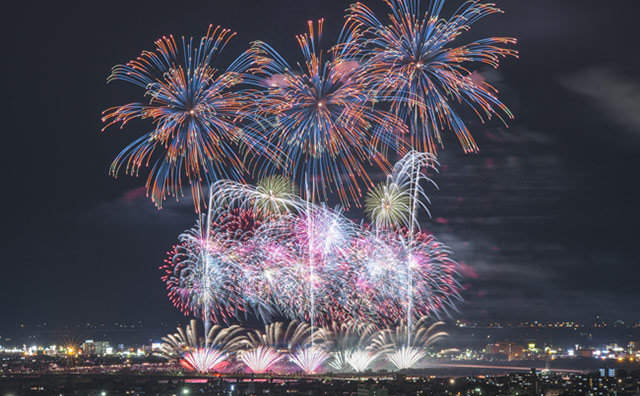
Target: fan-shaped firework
{"x":405,"y":357}
{"x":350,"y":345}
{"x":260,"y":359}
{"x":405,"y":346}
{"x":195,"y":116}
{"x":202,"y":354}
{"x":265,"y":346}
{"x":310,"y":359}
{"x":204,"y":360}
{"x":360,"y":359}
{"x":321,"y":116}
{"x":412,"y":64}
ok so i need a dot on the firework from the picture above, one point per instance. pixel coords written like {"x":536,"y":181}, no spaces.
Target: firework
{"x":350,"y":344}
{"x":202,"y":354}
{"x":360,"y":359}
{"x":406,"y":357}
{"x":204,"y":360}
{"x":294,"y":336}
{"x":201,"y":273}
{"x":395,"y":202}
{"x":260,"y":359}
{"x":405,"y":346}
{"x":194,"y":112}
{"x":310,"y":359}
{"x":387,"y":205}
{"x":236,"y":224}
{"x":411,"y":64}
{"x":306,"y":261}
{"x":265,"y":345}
{"x":273,"y":196}
{"x":321,"y":115}
{"x":314,"y":265}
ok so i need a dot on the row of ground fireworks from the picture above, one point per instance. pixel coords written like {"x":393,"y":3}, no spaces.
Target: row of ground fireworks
{"x":344,"y":347}
{"x":277,"y":249}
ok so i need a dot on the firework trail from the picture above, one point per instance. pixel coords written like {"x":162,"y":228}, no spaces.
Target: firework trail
{"x":195,"y":115}
{"x":412,"y":64}
{"x":395,"y":202}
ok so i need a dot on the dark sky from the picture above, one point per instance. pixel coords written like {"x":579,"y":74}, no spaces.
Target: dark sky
{"x":544,"y":219}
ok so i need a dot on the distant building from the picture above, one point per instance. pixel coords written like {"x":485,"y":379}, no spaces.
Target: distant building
{"x":585,"y":353}
{"x":505,"y":349}
{"x":98,"y":348}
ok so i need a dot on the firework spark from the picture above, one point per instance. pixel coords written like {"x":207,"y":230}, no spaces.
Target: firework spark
{"x":350,"y":344}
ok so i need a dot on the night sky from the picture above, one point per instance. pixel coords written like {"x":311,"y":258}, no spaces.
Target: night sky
{"x":544,"y":219}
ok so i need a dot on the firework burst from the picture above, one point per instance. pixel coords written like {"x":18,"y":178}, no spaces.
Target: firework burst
{"x":411,"y":64}
{"x":195,"y":116}
{"x":321,"y":115}
{"x":201,"y":274}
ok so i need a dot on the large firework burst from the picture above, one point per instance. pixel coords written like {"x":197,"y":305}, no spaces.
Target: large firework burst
{"x":195,"y":116}
{"x":321,"y":116}
{"x":412,"y":64}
